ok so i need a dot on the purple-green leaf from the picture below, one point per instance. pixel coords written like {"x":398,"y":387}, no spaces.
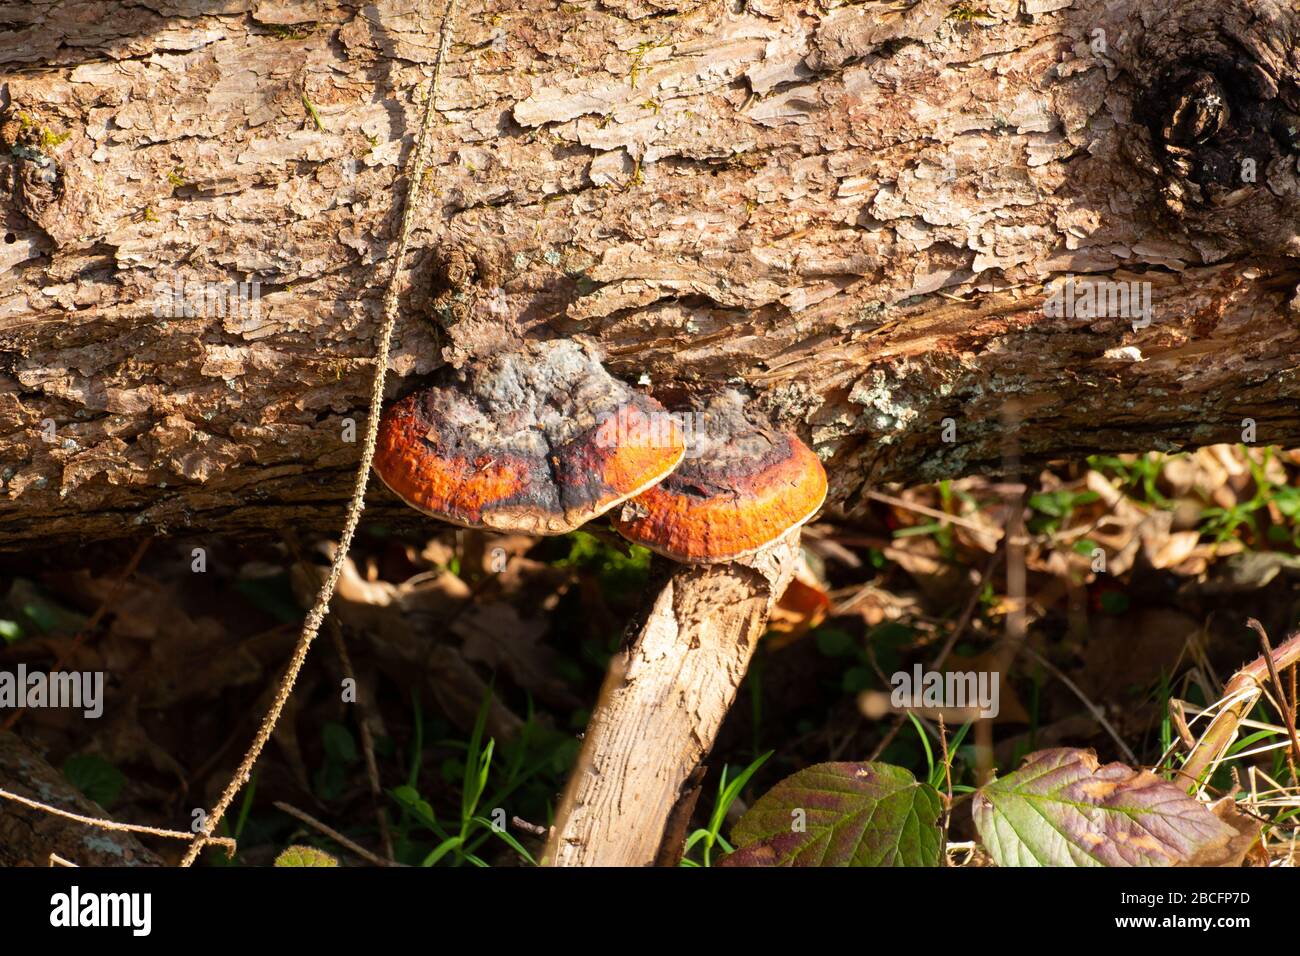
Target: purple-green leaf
{"x":1062,"y":809}
{"x":842,"y":814}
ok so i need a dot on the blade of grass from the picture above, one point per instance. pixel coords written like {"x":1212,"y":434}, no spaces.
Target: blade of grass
{"x":925,"y":742}
{"x":441,"y":850}
{"x":509,"y":840}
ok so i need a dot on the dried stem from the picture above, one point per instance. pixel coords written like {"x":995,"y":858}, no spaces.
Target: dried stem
{"x":1285,"y":706}
{"x":311,"y":627}
{"x":363,"y":722}
{"x":1239,"y":696}
{"x":102,"y":824}
{"x":339,"y":838}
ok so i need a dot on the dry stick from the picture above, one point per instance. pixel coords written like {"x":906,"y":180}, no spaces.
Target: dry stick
{"x":1239,"y":696}
{"x":1295,"y":701}
{"x":885,"y":547}
{"x":947,"y":778}
{"x":311,"y":626}
{"x":968,"y":612}
{"x":664,"y":698}
{"x":532,"y":828}
{"x":333,"y":834}
{"x":1283,"y":704}
{"x":1093,"y":709}
{"x":1009,"y":548}
{"x":1014,"y":542}
{"x":942,"y":516}
{"x":363,"y":722}
{"x":367,"y":738}
{"x":103,"y":824}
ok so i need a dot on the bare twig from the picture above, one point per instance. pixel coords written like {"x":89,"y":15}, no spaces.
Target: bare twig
{"x":1239,"y":696}
{"x":943,"y":516}
{"x":363,"y":722}
{"x":968,"y":612}
{"x":367,"y":738}
{"x":959,"y":628}
{"x":333,"y":834}
{"x":532,"y":828}
{"x":315,"y":617}
{"x":665,"y":695}
{"x":102,"y":824}
{"x":947,"y":775}
{"x":1284,"y":705}
{"x":1085,"y":700}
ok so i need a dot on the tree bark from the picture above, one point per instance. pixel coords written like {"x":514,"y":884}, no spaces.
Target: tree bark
{"x":28,"y":836}
{"x":852,"y":211}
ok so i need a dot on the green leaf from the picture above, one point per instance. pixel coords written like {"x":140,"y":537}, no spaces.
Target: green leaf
{"x":94,"y":776}
{"x":832,"y":642}
{"x":36,"y":613}
{"x":478,"y":762}
{"x":842,"y":814}
{"x":1049,"y":503}
{"x":621,"y":575}
{"x":731,"y":791}
{"x":1062,"y":809}
{"x":273,"y":595}
{"x":1114,"y":602}
{"x":917,"y":530}
{"x":305,"y":856}
{"x":925,"y":742}
{"x":410,"y":799}
{"x":857,"y":679}
{"x":340,"y":753}
{"x":1248,"y":741}
{"x":338,"y":742}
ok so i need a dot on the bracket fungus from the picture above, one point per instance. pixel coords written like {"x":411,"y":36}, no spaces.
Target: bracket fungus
{"x":743,"y":485}
{"x":538,"y":440}
{"x":541,"y":440}
{"x":731,"y":514}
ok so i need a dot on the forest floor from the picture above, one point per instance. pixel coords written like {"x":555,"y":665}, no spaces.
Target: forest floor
{"x":1139,"y":573}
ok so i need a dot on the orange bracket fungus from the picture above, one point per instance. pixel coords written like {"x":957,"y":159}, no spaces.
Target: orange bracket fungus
{"x":731,"y":514}
{"x":538,"y":440}
{"x":542,"y":439}
{"x":742,"y":486}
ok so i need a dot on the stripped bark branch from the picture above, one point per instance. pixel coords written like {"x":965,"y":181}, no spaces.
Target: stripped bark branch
{"x":664,"y":698}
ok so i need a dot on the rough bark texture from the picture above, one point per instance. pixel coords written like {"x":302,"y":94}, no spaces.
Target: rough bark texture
{"x":28,"y":836}
{"x":851,"y":210}
{"x":664,"y":698}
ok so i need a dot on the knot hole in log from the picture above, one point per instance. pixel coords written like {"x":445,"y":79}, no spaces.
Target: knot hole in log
{"x":1217,"y":104}
{"x":460,"y":271}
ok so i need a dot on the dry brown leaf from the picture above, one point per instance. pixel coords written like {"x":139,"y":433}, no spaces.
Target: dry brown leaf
{"x":1233,"y":853}
{"x":938,"y":580}
{"x":803,"y":606}
{"x":1172,"y":551}
{"x":499,"y":637}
